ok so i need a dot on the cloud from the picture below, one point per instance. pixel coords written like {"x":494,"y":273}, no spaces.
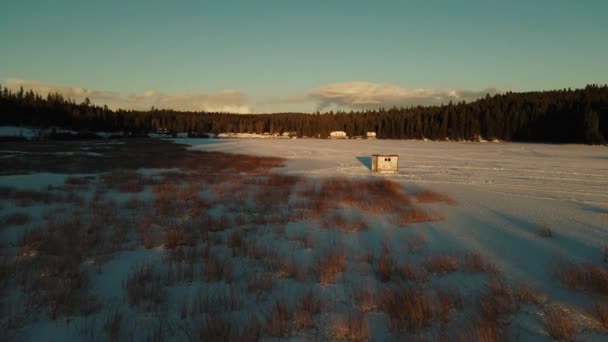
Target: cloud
{"x":224,"y":101}
{"x":362,"y":95}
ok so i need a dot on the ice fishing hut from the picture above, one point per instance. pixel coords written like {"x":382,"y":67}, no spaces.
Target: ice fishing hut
{"x":385,"y":163}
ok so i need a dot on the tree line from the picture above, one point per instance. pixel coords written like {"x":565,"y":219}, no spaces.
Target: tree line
{"x":557,"y":116}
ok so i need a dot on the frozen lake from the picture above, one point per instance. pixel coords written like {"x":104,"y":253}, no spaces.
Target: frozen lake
{"x":565,"y":172}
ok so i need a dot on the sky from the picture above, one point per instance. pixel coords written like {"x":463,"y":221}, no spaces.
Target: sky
{"x":277,"y":56}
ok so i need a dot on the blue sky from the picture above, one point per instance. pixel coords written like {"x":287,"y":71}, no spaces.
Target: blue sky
{"x":300,"y":55}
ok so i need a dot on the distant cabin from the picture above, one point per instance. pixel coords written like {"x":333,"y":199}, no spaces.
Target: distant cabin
{"x":385,"y":163}
{"x":338,"y":135}
{"x":371,"y":135}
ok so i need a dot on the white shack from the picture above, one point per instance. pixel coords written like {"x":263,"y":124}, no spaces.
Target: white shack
{"x":338,"y":135}
{"x":385,"y":163}
{"x":371,"y":135}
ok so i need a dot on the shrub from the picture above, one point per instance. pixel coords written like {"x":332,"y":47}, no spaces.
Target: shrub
{"x":559,"y":324}
{"x":545,"y":232}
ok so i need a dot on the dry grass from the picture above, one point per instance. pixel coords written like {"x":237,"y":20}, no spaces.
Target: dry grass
{"x":279,"y":320}
{"x":216,"y":269}
{"x":525,"y":294}
{"x":345,"y":225}
{"x":413,"y":273}
{"x":415,"y":243}
{"x":428,"y":196}
{"x":370,"y":196}
{"x":559,"y":324}
{"x":474,"y":262}
{"x":124,"y":181}
{"x":365,"y":299}
{"x":408,"y":308}
{"x":237,"y":244}
{"x":260,"y":285}
{"x":482,"y":330}
{"x":416,"y":215}
{"x":226,"y":328}
{"x":600,"y":313}
{"x":449,"y":300}
{"x":221,"y":300}
{"x":586,"y":277}
{"x":328,"y":264}
{"x":112,"y":325}
{"x":144,"y":288}
{"x":310,"y":302}
{"x":441,"y":264}
{"x":15,"y":219}
{"x":308,"y":305}
{"x":498,"y":302}
{"x":385,"y":265}
{"x":174,"y":237}
{"x":350,"y":327}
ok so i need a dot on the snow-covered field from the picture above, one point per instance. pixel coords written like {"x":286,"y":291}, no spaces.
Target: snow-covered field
{"x":526,"y":208}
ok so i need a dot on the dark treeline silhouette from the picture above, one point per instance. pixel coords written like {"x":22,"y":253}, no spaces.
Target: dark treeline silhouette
{"x":559,"y":116}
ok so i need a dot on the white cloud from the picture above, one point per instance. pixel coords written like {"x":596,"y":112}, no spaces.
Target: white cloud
{"x":373,"y":95}
{"x":224,"y":101}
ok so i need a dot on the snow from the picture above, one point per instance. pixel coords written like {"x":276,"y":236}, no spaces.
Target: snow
{"x":505,"y":191}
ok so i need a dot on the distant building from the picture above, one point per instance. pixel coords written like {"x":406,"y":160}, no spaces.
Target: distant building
{"x":338,"y":135}
{"x":385,"y":163}
{"x":371,"y":135}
